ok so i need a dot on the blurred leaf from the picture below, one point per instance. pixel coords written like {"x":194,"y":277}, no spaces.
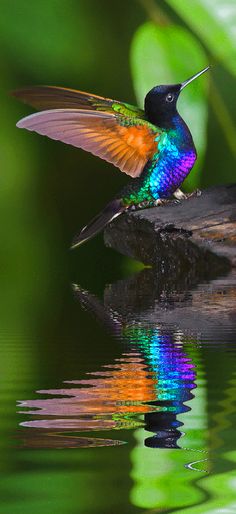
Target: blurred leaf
{"x":214,"y":21}
{"x":170,"y":54}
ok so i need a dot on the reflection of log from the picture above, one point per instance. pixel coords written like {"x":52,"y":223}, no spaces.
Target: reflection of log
{"x":146,"y":299}
{"x":199,"y":232}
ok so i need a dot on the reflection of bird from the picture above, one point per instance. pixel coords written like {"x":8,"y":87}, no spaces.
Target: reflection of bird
{"x":166,"y":376}
{"x":154,"y":146}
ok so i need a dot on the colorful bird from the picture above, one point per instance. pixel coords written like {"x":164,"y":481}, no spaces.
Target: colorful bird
{"x":153,"y":146}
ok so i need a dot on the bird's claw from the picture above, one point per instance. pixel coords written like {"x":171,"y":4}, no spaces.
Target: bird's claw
{"x":145,"y":205}
{"x":160,"y":201}
{"x":197,"y":192}
{"x":139,"y":206}
{"x":179,"y":195}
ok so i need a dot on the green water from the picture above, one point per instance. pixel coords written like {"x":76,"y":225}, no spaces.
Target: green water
{"x":123,"y":401}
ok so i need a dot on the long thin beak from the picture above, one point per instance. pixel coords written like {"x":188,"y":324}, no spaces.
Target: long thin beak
{"x":184,"y":84}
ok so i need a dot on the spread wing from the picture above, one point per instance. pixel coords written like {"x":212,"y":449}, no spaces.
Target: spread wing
{"x":115,"y":131}
{"x":116,"y":139}
{"x":53,"y":97}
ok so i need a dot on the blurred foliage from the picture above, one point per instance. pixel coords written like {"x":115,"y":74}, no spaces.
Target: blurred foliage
{"x":214,"y":23}
{"x":165,"y":49}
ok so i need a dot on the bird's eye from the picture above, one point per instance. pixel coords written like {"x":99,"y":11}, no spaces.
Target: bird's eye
{"x":169,"y":97}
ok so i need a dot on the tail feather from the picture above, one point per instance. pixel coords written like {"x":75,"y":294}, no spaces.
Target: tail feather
{"x":97,"y":224}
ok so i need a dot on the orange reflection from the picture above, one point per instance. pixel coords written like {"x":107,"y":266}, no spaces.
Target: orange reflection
{"x":97,"y":402}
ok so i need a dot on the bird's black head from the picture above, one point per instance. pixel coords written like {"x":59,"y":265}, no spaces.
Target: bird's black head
{"x":160,"y":102}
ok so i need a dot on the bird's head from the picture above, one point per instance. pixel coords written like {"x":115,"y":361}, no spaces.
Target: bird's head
{"x":160,"y":102}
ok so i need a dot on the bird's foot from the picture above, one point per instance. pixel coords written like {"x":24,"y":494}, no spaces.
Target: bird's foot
{"x":179,"y":195}
{"x":197,"y":192}
{"x":148,"y":204}
{"x":160,"y":201}
{"x":139,"y":206}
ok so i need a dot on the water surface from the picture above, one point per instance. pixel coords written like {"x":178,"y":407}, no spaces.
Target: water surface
{"x":130,"y":406}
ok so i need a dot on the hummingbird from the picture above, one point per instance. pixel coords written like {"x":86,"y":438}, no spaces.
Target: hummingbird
{"x":153,"y":145}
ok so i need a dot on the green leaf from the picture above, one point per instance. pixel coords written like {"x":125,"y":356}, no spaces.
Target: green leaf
{"x":170,"y":54}
{"x":214,"y":21}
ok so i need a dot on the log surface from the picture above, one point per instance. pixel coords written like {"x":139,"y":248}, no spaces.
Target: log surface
{"x":199,"y":233}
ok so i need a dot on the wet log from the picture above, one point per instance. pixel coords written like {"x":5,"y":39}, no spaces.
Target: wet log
{"x":196,"y":233}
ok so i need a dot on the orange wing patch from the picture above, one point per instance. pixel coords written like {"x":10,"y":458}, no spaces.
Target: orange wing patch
{"x":127,"y":147}
{"x":140,"y":139}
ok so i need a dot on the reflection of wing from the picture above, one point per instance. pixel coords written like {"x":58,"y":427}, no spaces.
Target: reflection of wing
{"x":124,"y":140}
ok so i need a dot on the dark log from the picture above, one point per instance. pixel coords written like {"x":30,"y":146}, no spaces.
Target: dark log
{"x":197,"y":233}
